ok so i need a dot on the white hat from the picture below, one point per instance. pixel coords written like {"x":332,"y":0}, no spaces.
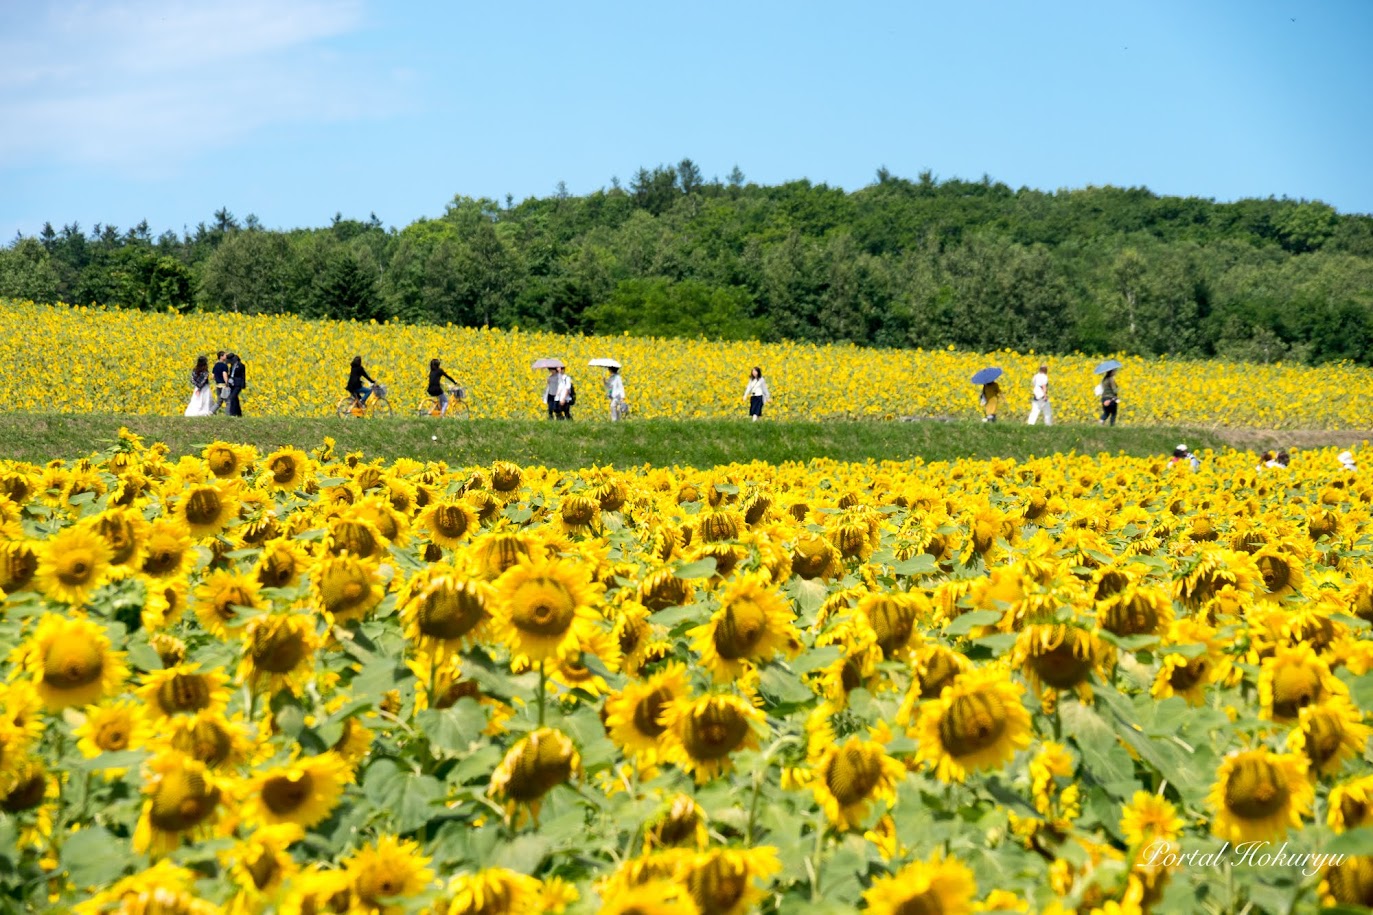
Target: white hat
{"x":1346,"y":458}
{"x":1182,"y":448}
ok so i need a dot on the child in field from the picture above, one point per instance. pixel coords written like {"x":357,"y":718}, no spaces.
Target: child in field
{"x":990,"y":398}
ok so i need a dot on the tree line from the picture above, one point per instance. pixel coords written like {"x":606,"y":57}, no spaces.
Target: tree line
{"x":899,"y":263}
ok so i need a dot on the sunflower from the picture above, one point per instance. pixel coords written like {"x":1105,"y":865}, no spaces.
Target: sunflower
{"x":1259,"y":795}
{"x":165,"y":602}
{"x":1213,"y":569}
{"x":261,"y":864}
{"x":545,"y":608}
{"x":221,"y":597}
{"x":167,"y":553}
{"x":1349,"y":883}
{"x":652,"y":897}
{"x":496,"y":552}
{"x":1149,"y":818}
{"x":227,"y":461}
{"x":856,"y":668}
{"x":815,"y":557}
{"x":278,"y":652}
{"x":223,"y":745}
{"x":707,"y":730}
{"x":1192,"y":660}
{"x":112,"y":727}
{"x":282,"y":563}
{"x":939,"y":884}
{"x":71,"y":663}
{"x":388,"y":876}
{"x":1329,"y":734}
{"x":184,"y":690}
{"x":892,"y":617}
{"x":847,"y":778}
{"x":662,"y":589}
{"x":303,"y":792}
{"x":1282,"y":572}
{"x":162,"y":888}
{"x":182,"y":800}
{"x":1057,"y":656}
{"x":1350,"y":804}
{"x":632,"y":633}
{"x":680,"y":823}
{"x":449,"y":523}
{"x":723,"y":881}
{"x":286,"y":469}
{"x":207,"y":509}
{"x":316,"y":890}
{"x":346,"y":588}
{"x":443,"y":611}
{"x":1292,"y":678}
{"x":1134,"y":610}
{"x":125,"y":531}
{"x":18,"y":566}
{"x":978,"y":722}
{"x":494,"y":891}
{"x":534,"y":766}
{"x":578,"y":514}
{"x":356,"y":536}
{"x":633,"y":717}
{"x":753,"y":624}
{"x":73,"y":564}
{"x":30,"y":803}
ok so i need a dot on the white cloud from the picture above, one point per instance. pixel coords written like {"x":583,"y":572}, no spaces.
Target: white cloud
{"x":127,"y":84}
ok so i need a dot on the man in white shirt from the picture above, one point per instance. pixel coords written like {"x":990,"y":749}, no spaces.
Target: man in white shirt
{"x":1039,"y":393}
{"x":564,"y":398}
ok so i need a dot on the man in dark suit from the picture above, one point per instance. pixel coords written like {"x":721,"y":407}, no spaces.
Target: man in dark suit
{"x":238,"y":380}
{"x":221,"y":376}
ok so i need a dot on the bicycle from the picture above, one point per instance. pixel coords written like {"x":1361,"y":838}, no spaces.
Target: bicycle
{"x":457,"y":407}
{"x":375,"y":405}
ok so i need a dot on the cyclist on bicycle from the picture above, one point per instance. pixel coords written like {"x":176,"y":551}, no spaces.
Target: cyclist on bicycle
{"x":436,"y":376}
{"x":355,"y":375}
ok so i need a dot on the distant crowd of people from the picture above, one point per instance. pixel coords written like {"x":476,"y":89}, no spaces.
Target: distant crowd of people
{"x":1107,"y":392}
{"x":560,"y":393}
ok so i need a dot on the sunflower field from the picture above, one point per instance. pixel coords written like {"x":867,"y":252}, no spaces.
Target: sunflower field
{"x":96,"y":360}
{"x":312,"y":683}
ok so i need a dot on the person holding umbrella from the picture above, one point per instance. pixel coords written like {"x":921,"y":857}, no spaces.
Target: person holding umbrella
{"x":990,"y":397}
{"x":550,"y":393}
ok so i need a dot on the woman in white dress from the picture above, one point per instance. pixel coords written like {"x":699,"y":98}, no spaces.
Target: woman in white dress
{"x":202,"y":395}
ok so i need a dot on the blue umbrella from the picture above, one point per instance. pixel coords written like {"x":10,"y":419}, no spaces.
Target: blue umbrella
{"x":1110,"y":365}
{"x":987,"y":376}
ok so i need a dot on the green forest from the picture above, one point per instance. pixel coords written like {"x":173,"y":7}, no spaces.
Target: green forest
{"x":899,"y":263}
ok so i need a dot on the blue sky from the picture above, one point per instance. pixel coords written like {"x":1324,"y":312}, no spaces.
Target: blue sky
{"x":293,"y":110}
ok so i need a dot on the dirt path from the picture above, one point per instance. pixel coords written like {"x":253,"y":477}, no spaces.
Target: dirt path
{"x":1272,"y":439}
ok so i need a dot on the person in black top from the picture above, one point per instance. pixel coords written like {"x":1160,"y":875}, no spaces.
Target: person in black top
{"x":355,"y":387}
{"x":436,"y":376}
{"x":238,"y":380}
{"x":221,"y":376}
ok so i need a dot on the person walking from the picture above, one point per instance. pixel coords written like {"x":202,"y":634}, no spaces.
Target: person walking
{"x":756,"y":393}
{"x":1110,"y":399}
{"x":615,"y":393}
{"x":567,"y":394}
{"x":202,"y":397}
{"x":1039,"y":398}
{"x":550,"y":392}
{"x":354,"y":386}
{"x":990,"y":398}
{"x":237,"y":381}
{"x":435,"y":389}
{"x":221,"y":378}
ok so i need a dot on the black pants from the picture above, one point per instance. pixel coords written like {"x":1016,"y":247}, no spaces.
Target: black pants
{"x":235,"y":408}
{"x":552,"y":407}
{"x":1108,"y":409}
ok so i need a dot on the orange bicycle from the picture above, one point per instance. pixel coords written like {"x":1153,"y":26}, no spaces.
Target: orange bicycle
{"x":456,"y":408}
{"x":376,"y":404}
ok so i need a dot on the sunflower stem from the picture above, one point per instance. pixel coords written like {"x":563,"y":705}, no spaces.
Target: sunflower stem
{"x":753,"y":806}
{"x":543,"y":683}
{"x":815,"y":860}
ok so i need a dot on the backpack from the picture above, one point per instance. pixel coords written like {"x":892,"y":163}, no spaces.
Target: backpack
{"x":571,"y":394}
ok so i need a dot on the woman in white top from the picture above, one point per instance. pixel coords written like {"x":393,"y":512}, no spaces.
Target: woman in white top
{"x":615,"y":392}
{"x":566,"y":397}
{"x":756,"y":393}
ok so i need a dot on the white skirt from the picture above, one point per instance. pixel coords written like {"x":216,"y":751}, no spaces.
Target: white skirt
{"x":202,"y":402}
